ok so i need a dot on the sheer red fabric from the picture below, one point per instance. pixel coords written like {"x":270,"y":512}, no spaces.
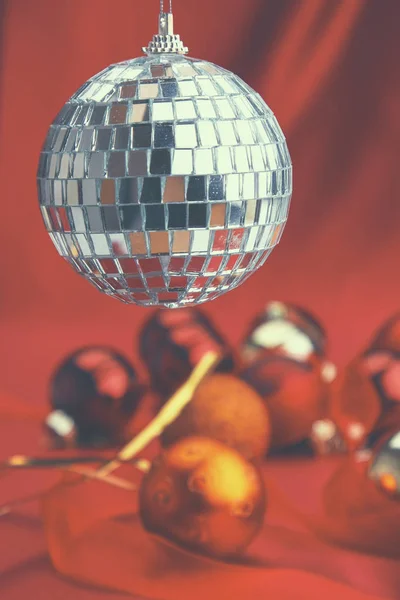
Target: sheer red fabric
{"x":330,"y":74}
{"x":329,"y":70}
{"x":103,"y":543}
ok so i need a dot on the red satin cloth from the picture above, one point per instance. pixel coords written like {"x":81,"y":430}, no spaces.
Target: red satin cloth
{"x":322,"y":517}
{"x":329,"y":70}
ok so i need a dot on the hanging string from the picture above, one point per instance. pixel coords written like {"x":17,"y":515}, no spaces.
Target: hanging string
{"x":162,"y":6}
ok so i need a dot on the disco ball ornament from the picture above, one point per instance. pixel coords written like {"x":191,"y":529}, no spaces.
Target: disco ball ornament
{"x":165,"y":180}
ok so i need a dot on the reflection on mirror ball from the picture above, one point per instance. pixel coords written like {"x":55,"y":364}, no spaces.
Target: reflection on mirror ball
{"x":165,"y":180}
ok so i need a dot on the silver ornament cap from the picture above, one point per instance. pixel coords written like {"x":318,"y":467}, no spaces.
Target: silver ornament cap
{"x":165,"y":180}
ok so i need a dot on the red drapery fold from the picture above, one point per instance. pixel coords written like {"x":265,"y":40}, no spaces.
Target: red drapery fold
{"x":329,"y":70}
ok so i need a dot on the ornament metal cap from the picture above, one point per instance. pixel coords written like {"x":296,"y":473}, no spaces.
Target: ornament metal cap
{"x":166,"y":42}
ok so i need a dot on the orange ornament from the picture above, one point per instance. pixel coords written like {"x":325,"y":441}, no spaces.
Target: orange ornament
{"x":226,"y":409}
{"x":204,"y":496}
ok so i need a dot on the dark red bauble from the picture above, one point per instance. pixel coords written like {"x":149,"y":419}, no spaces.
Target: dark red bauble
{"x":94,"y":393}
{"x":387,"y":337}
{"x":381,"y":363}
{"x":203,"y":496}
{"x":360,"y":514}
{"x":284,"y":360}
{"x":385,"y":465}
{"x":295,"y":394}
{"x":172,"y":343}
{"x":354,"y":405}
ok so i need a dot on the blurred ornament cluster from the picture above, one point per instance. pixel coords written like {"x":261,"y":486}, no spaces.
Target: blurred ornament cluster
{"x":276,"y":394}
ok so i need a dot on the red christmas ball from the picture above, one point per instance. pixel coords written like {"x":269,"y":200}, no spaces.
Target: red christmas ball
{"x":384,"y":468}
{"x":365,"y":399}
{"x":354,"y":405}
{"x":362,"y":511}
{"x":284,"y":360}
{"x":94,"y":393}
{"x":381,"y":363}
{"x":295,"y":394}
{"x":387,"y":337}
{"x":171,"y":343}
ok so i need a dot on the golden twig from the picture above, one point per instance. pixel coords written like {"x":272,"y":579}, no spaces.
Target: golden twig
{"x":169,"y":412}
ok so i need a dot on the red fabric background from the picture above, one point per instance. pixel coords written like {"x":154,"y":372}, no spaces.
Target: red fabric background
{"x":329,"y":70}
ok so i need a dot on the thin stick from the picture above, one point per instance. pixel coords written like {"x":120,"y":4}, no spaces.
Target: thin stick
{"x":170,"y":411}
{"x":63,"y":462}
{"x":142,"y":465}
{"x":47,"y":462}
{"x":110,"y":479}
{"x":5,"y":509}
